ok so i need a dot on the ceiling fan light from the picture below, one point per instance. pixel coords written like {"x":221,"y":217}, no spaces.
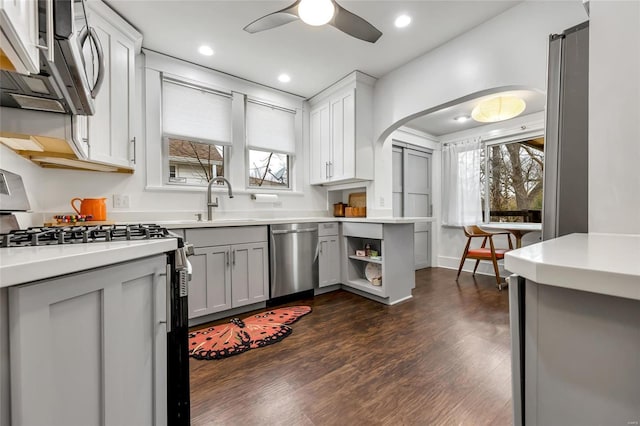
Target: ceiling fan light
{"x":316,"y":12}
{"x":499,"y":108}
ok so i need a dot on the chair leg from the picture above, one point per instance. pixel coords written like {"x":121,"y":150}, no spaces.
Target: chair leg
{"x":464,"y":257}
{"x":476,"y":267}
{"x":497,"y":271}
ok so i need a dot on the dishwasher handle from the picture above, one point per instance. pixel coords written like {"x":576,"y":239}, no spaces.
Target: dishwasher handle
{"x":292,"y":231}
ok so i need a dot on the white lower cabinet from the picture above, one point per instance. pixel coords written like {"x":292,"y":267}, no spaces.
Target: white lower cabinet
{"x":90,"y":348}
{"x":231,"y":275}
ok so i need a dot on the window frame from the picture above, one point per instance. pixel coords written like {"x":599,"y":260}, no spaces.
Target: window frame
{"x":249,"y":187}
{"x":166,"y":165}
{"x":501,"y":141}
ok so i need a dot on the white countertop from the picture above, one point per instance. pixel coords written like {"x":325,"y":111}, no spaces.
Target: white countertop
{"x":20,"y":265}
{"x":176,"y":224}
{"x":599,"y":263}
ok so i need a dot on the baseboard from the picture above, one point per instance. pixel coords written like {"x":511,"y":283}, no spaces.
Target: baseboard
{"x":485,"y":267}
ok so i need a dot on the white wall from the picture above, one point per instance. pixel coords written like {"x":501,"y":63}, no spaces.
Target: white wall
{"x":509,"y":50}
{"x":51,"y":190}
{"x":614,"y":117}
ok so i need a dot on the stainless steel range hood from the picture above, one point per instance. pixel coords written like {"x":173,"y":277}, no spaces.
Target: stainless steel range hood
{"x":49,"y":139}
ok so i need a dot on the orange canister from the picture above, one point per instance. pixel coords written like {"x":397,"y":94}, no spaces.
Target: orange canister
{"x":94,"y":207}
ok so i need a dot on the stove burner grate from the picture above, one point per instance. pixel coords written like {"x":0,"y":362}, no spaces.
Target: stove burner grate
{"x":41,"y":236}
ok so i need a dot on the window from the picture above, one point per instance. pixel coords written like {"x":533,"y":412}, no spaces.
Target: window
{"x":268,"y":169}
{"x":271,"y":142}
{"x":194,"y":163}
{"x":511,"y":177}
{"x":196,"y":125}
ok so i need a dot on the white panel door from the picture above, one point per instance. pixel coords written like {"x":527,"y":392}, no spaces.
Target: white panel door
{"x":249,"y":273}
{"x":343,"y":136}
{"x":412,"y":196}
{"x":111,"y":127}
{"x":397,"y":183}
{"x":328,"y":261}
{"x":320,"y":135}
{"x":210,"y":285}
{"x":89,"y":348}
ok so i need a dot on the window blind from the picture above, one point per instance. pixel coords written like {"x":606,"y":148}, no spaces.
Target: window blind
{"x":270,"y":128}
{"x":195,"y":114}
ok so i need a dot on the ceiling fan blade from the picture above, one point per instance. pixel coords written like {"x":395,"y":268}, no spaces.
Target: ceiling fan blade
{"x":354,"y":25}
{"x":274,"y":19}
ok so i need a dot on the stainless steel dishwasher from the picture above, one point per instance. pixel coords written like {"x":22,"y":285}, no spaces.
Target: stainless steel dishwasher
{"x":294,"y":260}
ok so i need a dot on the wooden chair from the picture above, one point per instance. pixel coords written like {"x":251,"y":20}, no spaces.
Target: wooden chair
{"x":483,"y":253}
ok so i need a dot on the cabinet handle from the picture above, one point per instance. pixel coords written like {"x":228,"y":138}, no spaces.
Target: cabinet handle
{"x":50,"y":34}
{"x":326,"y":169}
{"x":330,"y":168}
{"x":234,"y":257}
{"x":133,"y":141}
{"x":226,"y":253}
{"x":321,"y":242}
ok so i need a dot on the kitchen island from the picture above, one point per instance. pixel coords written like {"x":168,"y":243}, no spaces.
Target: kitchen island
{"x":575,"y":326}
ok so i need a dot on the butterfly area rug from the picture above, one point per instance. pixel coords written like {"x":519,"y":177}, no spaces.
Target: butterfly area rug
{"x":225,"y":340}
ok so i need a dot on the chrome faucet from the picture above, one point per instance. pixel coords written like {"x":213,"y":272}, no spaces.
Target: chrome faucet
{"x":211,"y":204}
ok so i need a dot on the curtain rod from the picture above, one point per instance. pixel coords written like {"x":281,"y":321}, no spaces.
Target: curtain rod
{"x":263,"y":103}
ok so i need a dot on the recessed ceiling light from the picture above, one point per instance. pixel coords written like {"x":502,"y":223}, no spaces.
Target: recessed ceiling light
{"x":205,"y":50}
{"x":284,"y":78}
{"x":403,"y":21}
{"x":462,"y":118}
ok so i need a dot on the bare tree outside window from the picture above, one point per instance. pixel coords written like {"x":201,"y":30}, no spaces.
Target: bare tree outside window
{"x":511,"y":177}
{"x":268,"y":169}
{"x":194,"y":163}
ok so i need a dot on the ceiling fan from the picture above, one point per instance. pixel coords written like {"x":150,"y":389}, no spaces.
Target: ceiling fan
{"x":316,"y":13}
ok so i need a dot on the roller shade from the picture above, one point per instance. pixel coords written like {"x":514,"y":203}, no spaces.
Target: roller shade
{"x":270,"y":128}
{"x":193,"y":113}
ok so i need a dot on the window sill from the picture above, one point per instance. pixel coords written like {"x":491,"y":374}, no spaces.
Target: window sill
{"x":221,"y":189}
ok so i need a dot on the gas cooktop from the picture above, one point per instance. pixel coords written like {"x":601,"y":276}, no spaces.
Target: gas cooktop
{"x":42,"y":236}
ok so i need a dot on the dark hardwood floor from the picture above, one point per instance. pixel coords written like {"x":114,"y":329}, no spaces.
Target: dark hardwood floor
{"x":442,"y":358}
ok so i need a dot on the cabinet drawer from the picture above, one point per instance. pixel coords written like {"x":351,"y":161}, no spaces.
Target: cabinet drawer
{"x":228,"y":235}
{"x":325,"y":229}
{"x":363,"y":230}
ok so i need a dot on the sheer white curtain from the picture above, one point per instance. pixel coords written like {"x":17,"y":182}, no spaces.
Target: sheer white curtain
{"x":461,"y":177}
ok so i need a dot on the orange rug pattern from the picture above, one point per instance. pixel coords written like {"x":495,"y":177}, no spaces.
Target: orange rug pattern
{"x":225,"y":340}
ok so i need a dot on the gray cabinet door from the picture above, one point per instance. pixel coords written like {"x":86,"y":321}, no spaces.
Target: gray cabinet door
{"x":210,"y":285}
{"x":90,"y":348}
{"x":328,"y":261}
{"x":249,"y":273}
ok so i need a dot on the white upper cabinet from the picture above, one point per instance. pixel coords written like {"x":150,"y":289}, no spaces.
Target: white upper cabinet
{"x":110,"y":131}
{"x":19,"y":36}
{"x":341,"y":131}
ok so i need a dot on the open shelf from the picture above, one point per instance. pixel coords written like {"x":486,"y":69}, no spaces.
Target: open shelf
{"x":362,"y":284}
{"x":366,"y":259}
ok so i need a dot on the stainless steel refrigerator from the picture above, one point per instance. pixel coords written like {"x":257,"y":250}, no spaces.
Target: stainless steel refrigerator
{"x":565,"y":205}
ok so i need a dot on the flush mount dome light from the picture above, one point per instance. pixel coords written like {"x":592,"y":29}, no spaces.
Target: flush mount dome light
{"x":316,"y":12}
{"x":462,"y":118}
{"x":499,"y":108}
{"x":284,"y":78}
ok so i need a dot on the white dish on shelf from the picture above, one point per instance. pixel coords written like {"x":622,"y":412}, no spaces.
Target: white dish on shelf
{"x":373,"y":273}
